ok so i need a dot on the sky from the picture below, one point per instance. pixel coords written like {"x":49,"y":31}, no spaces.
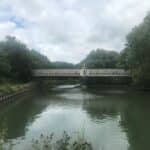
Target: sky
{"x":67,"y":30}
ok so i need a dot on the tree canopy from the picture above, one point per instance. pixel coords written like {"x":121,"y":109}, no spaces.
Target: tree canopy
{"x":17,"y":60}
{"x":136,"y":55}
{"x":62,"y":65}
{"x":101,"y":58}
{"x":39,"y":61}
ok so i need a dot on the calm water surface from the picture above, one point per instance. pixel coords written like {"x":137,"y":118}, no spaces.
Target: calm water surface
{"x":109,"y":119}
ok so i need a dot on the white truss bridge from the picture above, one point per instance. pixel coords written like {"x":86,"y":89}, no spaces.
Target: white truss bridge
{"x":80,"y":73}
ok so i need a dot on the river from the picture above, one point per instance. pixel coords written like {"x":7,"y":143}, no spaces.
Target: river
{"x":109,"y":119}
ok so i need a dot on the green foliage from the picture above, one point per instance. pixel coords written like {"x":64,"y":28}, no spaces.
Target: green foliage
{"x":64,"y":143}
{"x":3,"y":136}
{"x":7,"y":87}
{"x":39,"y":61}
{"x":101,"y":59}
{"x":136,"y":55}
{"x":17,"y":60}
{"x":4,"y":64}
{"x":124,"y":59}
{"x":47,"y":142}
{"x":62,"y":65}
{"x":17,"y":57}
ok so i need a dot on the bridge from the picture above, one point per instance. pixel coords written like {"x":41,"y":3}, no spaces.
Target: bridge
{"x":81,"y":73}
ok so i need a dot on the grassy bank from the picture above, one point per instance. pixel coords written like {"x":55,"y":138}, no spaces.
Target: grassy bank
{"x":7,"y":87}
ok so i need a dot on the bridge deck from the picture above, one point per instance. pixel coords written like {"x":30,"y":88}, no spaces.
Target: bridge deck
{"x":80,"y":73}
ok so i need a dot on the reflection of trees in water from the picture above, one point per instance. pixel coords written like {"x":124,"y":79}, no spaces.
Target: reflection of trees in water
{"x":99,"y":108}
{"x":3,"y":135}
{"x":135,"y":119}
{"x":18,"y":115}
{"x":134,"y":112}
{"x":3,"y":129}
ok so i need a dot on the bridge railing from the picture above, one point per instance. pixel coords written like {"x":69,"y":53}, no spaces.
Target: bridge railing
{"x":79,"y":72}
{"x":56,"y":72}
{"x":107,"y":72}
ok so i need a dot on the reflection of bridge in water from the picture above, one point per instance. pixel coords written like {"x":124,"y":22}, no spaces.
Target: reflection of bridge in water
{"x":80,"y":73}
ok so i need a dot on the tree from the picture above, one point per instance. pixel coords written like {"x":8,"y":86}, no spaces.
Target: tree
{"x":138,"y":52}
{"x":100,"y":58}
{"x":17,"y":60}
{"x":62,"y":65}
{"x":4,"y":65}
{"x":39,"y":61}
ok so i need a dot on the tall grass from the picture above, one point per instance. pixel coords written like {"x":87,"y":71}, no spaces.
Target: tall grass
{"x":64,"y":143}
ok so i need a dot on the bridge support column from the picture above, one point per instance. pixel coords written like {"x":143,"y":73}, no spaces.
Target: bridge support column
{"x":83,"y":80}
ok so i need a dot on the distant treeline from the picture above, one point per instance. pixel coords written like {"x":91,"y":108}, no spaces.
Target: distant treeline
{"x":101,"y":58}
{"x":17,"y":60}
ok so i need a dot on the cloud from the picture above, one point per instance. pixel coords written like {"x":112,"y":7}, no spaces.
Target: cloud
{"x":67,"y":30}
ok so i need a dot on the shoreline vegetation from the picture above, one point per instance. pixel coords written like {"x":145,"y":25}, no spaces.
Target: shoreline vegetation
{"x":65,"y":142}
{"x":10,"y":90}
{"x":7,"y":87}
{"x":48,"y":142}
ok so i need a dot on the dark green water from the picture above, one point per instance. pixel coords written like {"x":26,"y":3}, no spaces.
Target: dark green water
{"x":109,"y":119}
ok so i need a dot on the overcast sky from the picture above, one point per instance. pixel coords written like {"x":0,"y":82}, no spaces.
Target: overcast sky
{"x":66,"y":30}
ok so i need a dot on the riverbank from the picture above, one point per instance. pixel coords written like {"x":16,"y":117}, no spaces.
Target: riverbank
{"x":10,"y":90}
{"x":9,"y":87}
